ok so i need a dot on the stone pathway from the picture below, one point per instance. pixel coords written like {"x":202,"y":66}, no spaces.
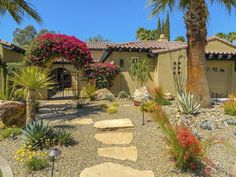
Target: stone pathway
{"x":110,"y":134}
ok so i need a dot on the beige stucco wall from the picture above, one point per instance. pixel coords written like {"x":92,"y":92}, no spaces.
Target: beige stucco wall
{"x":124,"y":82}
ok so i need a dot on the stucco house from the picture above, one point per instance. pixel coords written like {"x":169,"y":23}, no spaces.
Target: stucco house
{"x":166,"y":58}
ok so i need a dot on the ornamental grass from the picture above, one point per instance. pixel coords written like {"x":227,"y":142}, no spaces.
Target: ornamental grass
{"x":230,"y":106}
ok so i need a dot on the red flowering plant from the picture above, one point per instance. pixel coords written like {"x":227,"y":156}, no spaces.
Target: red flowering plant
{"x":101,"y":74}
{"x":187,"y":150}
{"x":49,"y":46}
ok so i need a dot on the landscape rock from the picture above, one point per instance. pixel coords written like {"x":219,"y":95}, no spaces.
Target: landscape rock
{"x":168,"y":96}
{"x":114,"y":138}
{"x":103,"y":94}
{"x":80,"y":121}
{"x":120,"y":153}
{"x":114,"y":170}
{"x":142,"y":95}
{"x":13,"y":113}
{"x":229,"y":122}
{"x":207,"y":125}
{"x":114,"y":124}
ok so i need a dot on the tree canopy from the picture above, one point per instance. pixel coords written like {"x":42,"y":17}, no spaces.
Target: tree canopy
{"x":180,"y":38}
{"x":98,"y":38}
{"x":231,"y":37}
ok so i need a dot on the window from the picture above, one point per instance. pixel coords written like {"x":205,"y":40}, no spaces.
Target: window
{"x":135,"y":59}
{"x":122,"y":63}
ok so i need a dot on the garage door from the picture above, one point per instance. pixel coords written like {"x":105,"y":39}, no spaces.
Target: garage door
{"x":218,"y":79}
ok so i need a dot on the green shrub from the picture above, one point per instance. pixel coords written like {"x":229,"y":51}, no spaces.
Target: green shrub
{"x":1,"y":173}
{"x":38,"y":134}
{"x":90,"y":90}
{"x":115,"y":104}
{"x":149,"y":106}
{"x":112,"y":110}
{"x":109,"y":97}
{"x":122,"y":94}
{"x":103,"y":106}
{"x":36,"y":164}
{"x":188,"y":103}
{"x":63,"y":137}
{"x":8,"y":132}
{"x":230,"y":106}
{"x":162,"y":101}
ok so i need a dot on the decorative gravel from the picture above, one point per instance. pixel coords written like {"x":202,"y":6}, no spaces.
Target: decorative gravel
{"x":152,"y":150}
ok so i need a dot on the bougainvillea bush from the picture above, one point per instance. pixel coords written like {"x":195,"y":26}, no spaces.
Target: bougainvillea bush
{"x":49,"y":46}
{"x":101,"y":74}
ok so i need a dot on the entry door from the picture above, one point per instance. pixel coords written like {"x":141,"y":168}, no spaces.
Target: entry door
{"x":219,"y":79}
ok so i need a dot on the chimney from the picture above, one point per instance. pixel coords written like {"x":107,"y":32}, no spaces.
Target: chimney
{"x":163,"y":38}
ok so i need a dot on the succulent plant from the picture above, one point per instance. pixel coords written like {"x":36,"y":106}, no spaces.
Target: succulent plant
{"x":38,"y":134}
{"x":112,"y":110}
{"x":188,"y":103}
{"x":122,"y":94}
{"x":63,"y":137}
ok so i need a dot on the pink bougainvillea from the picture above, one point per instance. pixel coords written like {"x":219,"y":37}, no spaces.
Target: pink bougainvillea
{"x":49,"y":46}
{"x":101,"y":73}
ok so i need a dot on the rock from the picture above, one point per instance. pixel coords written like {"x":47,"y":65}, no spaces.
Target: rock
{"x":142,"y":95}
{"x":103,"y":94}
{"x":114,"y":138}
{"x":120,"y":153}
{"x":207,"y":125}
{"x":13,"y":113}
{"x":234,"y":171}
{"x":80,"y":121}
{"x":229,"y":122}
{"x":114,"y":170}
{"x":114,"y":124}
{"x":168,"y":96}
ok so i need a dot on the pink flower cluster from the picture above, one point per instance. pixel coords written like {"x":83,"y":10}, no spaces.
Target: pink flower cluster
{"x":50,"y":46}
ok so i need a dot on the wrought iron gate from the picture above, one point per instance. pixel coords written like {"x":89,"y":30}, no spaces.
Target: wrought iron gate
{"x":66,"y":84}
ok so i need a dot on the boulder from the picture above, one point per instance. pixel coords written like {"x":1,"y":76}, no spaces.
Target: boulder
{"x":207,"y":125}
{"x":12,"y":113}
{"x":142,"y":95}
{"x":103,"y":94}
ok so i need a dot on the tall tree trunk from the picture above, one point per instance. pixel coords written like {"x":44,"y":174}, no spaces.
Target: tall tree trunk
{"x":195,"y":20}
{"x":30,"y":106}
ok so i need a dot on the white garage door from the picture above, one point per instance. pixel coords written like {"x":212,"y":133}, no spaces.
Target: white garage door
{"x":218,"y":79}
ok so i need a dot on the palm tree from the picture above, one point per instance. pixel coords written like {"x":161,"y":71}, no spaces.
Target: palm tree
{"x":31,"y":79}
{"x":195,"y":16}
{"x":18,"y":9}
{"x":139,"y":71}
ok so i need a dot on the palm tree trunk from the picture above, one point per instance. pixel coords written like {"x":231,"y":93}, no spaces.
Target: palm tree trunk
{"x":195,"y":20}
{"x":30,"y":106}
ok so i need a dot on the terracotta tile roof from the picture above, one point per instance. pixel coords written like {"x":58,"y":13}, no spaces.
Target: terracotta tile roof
{"x":11,"y":46}
{"x":98,"y":45}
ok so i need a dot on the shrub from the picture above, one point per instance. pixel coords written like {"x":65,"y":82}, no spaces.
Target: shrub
{"x":115,"y":104}
{"x":1,"y":173}
{"x":112,"y":110}
{"x":38,"y":134}
{"x":89,"y":91}
{"x":109,"y":97}
{"x":122,"y":94}
{"x":162,"y":101}
{"x":63,"y":137}
{"x":156,"y":92}
{"x":149,"y":106}
{"x":188,"y":103}
{"x":230,"y":106}
{"x":36,"y":164}
{"x":103,"y":106}
{"x":8,"y":132}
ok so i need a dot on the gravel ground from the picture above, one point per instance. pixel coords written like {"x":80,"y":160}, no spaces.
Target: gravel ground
{"x":152,"y":150}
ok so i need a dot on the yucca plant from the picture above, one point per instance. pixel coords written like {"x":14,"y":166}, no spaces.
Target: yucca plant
{"x":38,"y":134}
{"x":188,"y":103}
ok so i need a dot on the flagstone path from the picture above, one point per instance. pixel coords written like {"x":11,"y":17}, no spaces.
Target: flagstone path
{"x":115,"y":132}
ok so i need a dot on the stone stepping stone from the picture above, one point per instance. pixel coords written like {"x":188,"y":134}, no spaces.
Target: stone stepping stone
{"x":114,"y":124}
{"x":5,"y":168}
{"x":114,"y":138}
{"x":120,"y":153}
{"x":114,"y":170}
{"x":80,"y":121}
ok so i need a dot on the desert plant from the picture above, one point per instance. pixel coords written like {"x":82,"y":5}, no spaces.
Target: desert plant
{"x":103,"y":106}
{"x":148,"y":106}
{"x":36,"y":163}
{"x":162,"y":101}
{"x":63,"y":137}
{"x":31,"y":79}
{"x":122,"y":94}
{"x":38,"y":134}
{"x":188,"y":103}
{"x":230,"y":106}
{"x":1,"y":173}
{"x":115,"y":104}
{"x":109,"y":97}
{"x":112,"y":110}
{"x":8,"y":132}
{"x":90,"y":90}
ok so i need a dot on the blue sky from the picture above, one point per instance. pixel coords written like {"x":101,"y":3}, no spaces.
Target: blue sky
{"x":115,"y":20}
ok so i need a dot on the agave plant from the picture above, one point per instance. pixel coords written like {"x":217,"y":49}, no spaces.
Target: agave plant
{"x":188,"y":103}
{"x":63,"y":137}
{"x":38,"y":134}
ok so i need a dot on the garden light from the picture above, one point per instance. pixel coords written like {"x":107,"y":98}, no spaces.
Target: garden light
{"x":54,"y":152}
